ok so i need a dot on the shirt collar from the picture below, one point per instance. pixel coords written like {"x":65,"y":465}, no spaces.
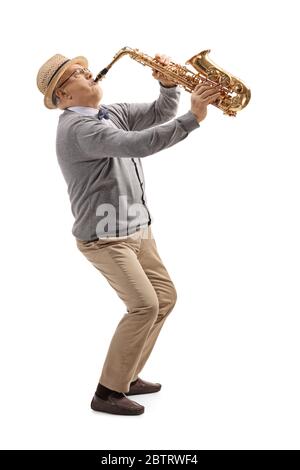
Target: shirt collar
{"x":85,"y":110}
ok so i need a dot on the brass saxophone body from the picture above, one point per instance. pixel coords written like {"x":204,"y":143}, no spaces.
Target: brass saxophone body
{"x":234,"y":93}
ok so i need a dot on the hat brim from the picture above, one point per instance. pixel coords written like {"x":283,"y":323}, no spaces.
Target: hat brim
{"x":48,"y":95}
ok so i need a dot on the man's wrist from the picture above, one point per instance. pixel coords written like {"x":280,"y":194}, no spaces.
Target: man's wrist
{"x":170,"y":86}
{"x":195,"y":116}
{"x":189,"y":121}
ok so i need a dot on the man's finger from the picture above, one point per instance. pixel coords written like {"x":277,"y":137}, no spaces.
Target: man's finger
{"x":212,"y":98}
{"x":204,"y":89}
{"x":205,"y":94}
{"x":162,"y":58}
{"x":205,"y":86}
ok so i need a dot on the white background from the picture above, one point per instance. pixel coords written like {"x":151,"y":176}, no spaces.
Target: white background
{"x":225,"y":204}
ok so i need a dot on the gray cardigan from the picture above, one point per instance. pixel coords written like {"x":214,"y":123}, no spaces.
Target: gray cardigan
{"x":101,"y":161}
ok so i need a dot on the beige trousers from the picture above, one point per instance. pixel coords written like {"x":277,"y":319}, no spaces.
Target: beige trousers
{"x":133,"y":267}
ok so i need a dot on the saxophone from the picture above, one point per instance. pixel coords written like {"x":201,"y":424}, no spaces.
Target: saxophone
{"x":235,"y":95}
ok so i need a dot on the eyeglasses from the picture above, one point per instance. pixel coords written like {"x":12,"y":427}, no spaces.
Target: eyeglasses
{"x":76,"y":73}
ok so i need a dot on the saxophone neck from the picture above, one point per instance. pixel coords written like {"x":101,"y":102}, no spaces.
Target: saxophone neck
{"x":124,"y":51}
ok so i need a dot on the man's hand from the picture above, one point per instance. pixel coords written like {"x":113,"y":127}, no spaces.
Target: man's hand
{"x":163,"y":60}
{"x":202,"y":96}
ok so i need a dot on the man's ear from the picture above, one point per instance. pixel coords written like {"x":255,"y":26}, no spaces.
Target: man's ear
{"x":60,"y":93}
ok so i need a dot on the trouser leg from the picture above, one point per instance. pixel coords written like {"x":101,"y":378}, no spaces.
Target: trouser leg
{"x":118,"y":262}
{"x":159,"y":277}
{"x":134,"y":269}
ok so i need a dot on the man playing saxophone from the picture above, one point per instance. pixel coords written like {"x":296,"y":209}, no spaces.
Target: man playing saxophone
{"x":100,"y":149}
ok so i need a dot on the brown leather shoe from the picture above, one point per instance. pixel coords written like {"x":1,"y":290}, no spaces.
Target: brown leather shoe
{"x":117,"y":403}
{"x":141,"y":386}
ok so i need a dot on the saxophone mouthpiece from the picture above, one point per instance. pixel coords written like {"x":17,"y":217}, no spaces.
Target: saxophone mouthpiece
{"x":101,"y":74}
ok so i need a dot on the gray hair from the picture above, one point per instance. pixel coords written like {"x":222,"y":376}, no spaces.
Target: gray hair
{"x":55,"y":99}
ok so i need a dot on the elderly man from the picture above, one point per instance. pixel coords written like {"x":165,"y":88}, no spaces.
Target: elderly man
{"x":99,"y":150}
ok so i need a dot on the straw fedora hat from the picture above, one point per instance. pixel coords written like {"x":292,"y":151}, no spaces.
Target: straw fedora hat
{"x":50,"y":73}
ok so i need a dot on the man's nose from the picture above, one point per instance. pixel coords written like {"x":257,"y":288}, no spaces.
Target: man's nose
{"x":88,"y":74}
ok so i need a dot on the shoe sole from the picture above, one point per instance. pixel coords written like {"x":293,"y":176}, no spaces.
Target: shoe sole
{"x":115,"y":411}
{"x":141,"y":393}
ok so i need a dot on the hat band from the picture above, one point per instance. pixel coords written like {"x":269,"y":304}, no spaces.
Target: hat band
{"x":57,"y":70}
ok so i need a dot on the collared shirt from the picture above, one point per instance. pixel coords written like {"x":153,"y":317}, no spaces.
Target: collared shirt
{"x":84,"y":110}
{"x":101,"y":161}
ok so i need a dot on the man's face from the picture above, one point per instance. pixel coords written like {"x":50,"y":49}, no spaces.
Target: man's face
{"x":76,"y":87}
